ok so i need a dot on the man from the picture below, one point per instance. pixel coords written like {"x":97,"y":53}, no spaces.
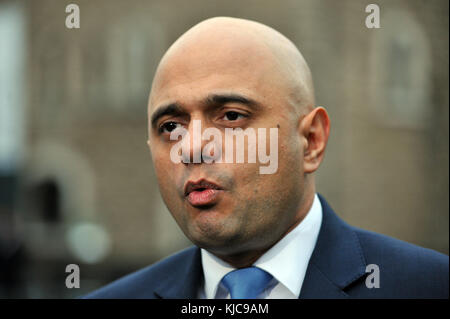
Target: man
{"x":258,"y":235}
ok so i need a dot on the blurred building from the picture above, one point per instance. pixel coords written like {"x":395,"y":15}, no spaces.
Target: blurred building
{"x":77,"y":181}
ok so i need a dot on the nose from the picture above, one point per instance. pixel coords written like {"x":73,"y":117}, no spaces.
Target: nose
{"x":199,"y":149}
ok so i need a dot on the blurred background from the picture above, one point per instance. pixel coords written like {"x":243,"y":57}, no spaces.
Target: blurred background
{"x":76,"y":179}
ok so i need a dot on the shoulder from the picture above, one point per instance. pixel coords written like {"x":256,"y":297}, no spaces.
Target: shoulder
{"x":405,"y":268}
{"x":399,"y":253}
{"x":142,"y":283}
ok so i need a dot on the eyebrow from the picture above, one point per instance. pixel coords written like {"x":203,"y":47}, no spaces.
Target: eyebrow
{"x":231,"y":98}
{"x":168,"y":109}
{"x":174,"y":109}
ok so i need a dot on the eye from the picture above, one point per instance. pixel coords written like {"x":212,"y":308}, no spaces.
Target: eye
{"x":233,"y":116}
{"x":168,"y":127}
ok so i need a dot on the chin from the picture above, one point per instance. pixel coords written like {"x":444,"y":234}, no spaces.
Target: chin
{"x":213,"y":239}
{"x":222,"y":244}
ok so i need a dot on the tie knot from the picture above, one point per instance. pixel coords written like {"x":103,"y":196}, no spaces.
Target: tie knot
{"x":246,"y":283}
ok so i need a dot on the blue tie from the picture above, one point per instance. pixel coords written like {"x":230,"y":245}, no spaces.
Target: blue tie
{"x":246,"y":283}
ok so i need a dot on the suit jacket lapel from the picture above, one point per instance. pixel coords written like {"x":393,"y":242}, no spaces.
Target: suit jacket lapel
{"x":337,"y":260}
{"x":183,"y":284}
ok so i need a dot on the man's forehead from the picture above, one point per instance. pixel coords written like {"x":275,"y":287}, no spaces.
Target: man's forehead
{"x":228,"y":54}
{"x":196,"y":77}
{"x":210,"y":97}
{"x":192,"y":89}
{"x":228,"y":59}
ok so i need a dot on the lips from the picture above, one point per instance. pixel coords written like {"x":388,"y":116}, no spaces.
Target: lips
{"x":202,"y":192}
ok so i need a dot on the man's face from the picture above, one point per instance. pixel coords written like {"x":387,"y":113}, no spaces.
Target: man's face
{"x":251,"y":210}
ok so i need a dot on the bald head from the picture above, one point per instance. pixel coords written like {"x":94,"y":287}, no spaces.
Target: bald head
{"x":253,"y":51}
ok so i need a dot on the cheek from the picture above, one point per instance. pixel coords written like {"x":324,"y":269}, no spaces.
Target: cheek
{"x":165,"y":173}
{"x":161,"y":159}
{"x":290,"y":167}
{"x":291,"y":148}
{"x":288,"y":174}
{"x":160,"y":163}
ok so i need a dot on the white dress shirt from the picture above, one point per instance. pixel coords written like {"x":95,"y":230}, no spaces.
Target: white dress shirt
{"x":286,"y":261}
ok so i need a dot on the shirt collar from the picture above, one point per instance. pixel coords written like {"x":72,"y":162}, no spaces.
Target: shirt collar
{"x":286,"y":261}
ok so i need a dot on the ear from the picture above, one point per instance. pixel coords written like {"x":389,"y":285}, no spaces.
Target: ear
{"x":315,"y":129}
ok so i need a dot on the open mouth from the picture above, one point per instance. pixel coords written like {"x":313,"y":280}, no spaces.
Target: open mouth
{"x":202,"y":192}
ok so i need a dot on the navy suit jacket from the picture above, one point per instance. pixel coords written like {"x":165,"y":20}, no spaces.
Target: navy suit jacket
{"x":337,"y":269}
